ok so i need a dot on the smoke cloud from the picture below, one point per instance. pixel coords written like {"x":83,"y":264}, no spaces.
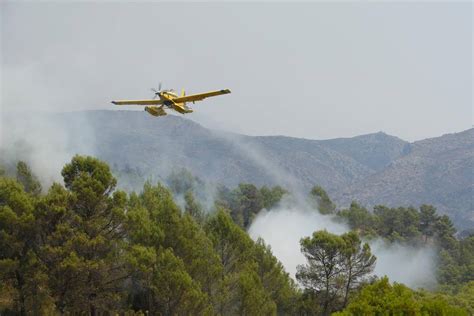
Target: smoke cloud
{"x":283,"y":227}
{"x":252,"y":151}
{"x":45,"y":141}
{"x":412,"y":266}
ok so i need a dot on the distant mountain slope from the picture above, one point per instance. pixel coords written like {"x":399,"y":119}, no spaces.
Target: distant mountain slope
{"x":375,"y":151}
{"x":159,"y":145}
{"x":310,"y":163}
{"x":373,"y":169}
{"x":438,"y":171}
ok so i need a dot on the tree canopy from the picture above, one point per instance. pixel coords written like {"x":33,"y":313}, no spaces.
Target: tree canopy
{"x":86,"y":247}
{"x":336,"y":265}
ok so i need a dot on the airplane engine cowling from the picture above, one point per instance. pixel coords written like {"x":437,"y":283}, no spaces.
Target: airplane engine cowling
{"x":155,"y":111}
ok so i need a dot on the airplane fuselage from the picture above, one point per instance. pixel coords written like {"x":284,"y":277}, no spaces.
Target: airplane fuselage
{"x":167,"y":99}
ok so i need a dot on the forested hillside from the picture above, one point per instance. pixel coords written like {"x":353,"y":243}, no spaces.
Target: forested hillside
{"x":86,"y":247}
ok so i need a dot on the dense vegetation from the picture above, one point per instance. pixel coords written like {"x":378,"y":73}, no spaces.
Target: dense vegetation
{"x":87,"y":247}
{"x":415,"y":227}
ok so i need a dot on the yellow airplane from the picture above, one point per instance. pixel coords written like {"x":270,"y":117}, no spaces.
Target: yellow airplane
{"x":169,"y":99}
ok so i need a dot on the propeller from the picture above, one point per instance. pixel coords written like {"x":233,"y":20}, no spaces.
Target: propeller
{"x":157,"y":92}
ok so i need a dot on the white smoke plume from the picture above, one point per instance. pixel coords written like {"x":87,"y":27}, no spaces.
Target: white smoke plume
{"x":283,"y":227}
{"x":45,"y":141}
{"x":34,"y":96}
{"x":412,"y":266}
{"x":252,"y":151}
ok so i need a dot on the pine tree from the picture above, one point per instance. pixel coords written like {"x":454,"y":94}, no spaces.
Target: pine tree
{"x":83,"y":247}
{"x":29,"y":181}
{"x":322,"y":200}
{"x":357,"y":263}
{"x":322,"y":273}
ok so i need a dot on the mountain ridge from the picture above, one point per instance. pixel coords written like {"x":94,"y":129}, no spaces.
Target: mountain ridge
{"x":374,"y":168}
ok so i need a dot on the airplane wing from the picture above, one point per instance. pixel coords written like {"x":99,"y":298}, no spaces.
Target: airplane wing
{"x":200,"y":96}
{"x":137,"y":102}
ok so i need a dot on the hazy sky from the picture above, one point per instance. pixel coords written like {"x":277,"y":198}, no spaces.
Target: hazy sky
{"x":315,"y":70}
